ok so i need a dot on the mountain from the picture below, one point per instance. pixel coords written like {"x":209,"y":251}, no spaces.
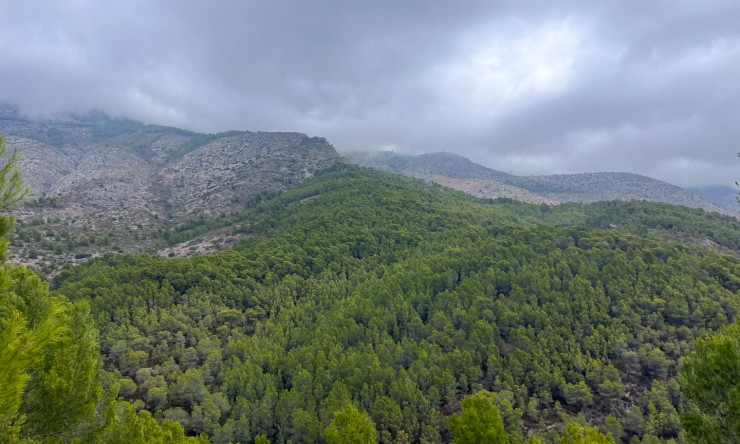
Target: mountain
{"x":593,"y":187}
{"x":116,"y":182}
{"x":462,"y":174}
{"x":452,"y":171}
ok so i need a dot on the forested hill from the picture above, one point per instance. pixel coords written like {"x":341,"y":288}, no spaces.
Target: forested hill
{"x":367,"y":306}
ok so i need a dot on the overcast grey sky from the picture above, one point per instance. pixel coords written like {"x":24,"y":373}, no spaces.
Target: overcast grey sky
{"x":528,"y":87}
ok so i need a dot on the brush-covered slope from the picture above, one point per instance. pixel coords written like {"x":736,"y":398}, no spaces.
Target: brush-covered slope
{"x":366,"y":289}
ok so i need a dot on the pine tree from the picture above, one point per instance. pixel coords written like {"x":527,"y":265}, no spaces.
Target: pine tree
{"x":574,"y":433}
{"x":51,"y":387}
{"x":30,"y":321}
{"x":479,"y":421}
{"x":12,"y":189}
{"x":711,"y":379}
{"x":351,"y":426}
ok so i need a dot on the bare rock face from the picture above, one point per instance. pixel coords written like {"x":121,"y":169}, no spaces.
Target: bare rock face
{"x":490,"y":189}
{"x":226,"y":172}
{"x":43,"y":165}
{"x":116,"y":180}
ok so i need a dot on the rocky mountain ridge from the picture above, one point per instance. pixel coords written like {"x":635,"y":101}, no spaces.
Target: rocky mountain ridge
{"x":103,"y":184}
{"x":120,"y":182}
{"x":460,"y":173}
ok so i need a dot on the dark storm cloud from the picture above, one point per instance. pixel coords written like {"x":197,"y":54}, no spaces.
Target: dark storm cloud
{"x":527,"y":87}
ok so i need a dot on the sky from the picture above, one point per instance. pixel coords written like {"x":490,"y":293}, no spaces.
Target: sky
{"x":526,"y":87}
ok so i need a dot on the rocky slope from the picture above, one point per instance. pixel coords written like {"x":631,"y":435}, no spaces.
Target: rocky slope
{"x":462,"y":174}
{"x":99,"y":183}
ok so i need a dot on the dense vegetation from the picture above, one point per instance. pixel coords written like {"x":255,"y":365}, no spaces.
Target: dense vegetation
{"x":368,"y":302}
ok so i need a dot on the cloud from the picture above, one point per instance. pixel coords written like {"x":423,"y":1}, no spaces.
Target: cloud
{"x":527,"y":87}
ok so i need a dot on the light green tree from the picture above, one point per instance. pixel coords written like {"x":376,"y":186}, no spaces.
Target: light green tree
{"x":574,"y":433}
{"x":12,"y":189}
{"x":350,"y":425}
{"x":479,"y":421}
{"x":126,"y":426}
{"x":24,"y":341}
{"x":30,"y":321}
{"x":710,"y":377}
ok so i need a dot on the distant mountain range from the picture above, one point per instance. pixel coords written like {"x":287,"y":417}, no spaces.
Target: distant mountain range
{"x":722,"y":196}
{"x":460,"y":173}
{"x":104,"y":184}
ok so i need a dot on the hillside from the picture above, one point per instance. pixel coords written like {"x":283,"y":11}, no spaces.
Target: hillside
{"x":366,"y":289}
{"x":462,"y":174}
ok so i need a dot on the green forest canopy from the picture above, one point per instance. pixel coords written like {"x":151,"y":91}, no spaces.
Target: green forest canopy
{"x":400,"y":299}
